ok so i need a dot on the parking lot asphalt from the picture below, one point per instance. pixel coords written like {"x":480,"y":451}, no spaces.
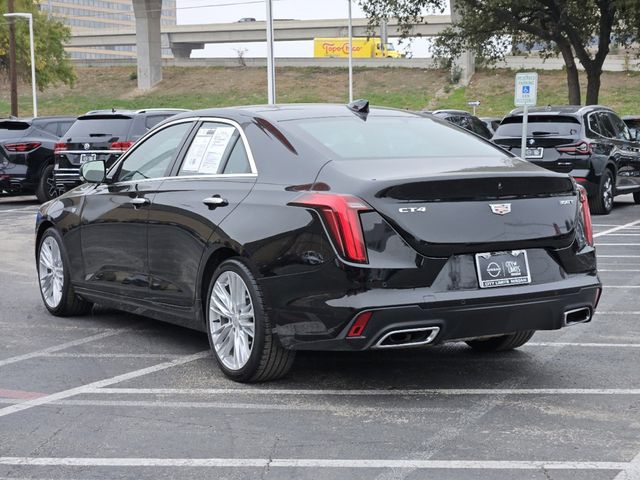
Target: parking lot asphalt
{"x":113,"y":395}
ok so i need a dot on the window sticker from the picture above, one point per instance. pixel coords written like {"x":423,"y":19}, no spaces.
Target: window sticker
{"x":215,"y":150}
{"x":197,"y":149}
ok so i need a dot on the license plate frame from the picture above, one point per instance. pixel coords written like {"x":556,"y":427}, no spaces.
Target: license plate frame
{"x":534,"y":152}
{"x":87,"y":157}
{"x":503,"y":269}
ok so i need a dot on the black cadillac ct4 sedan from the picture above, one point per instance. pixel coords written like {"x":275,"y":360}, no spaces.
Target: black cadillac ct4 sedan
{"x":322,"y":227}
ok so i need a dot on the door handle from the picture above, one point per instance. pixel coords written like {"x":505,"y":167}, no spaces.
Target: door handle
{"x":215,"y":201}
{"x":139,"y":202}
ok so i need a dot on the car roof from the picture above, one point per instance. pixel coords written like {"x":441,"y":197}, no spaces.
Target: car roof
{"x":32,"y":119}
{"x":294,"y":111}
{"x":560,"y":110}
{"x":116,"y":111}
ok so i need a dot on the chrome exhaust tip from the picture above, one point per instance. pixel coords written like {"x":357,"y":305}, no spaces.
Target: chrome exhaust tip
{"x":577,"y":315}
{"x":410,"y":337}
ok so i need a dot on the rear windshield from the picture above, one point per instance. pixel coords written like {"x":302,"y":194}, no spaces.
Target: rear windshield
{"x":100,"y":127}
{"x":13,"y":129}
{"x":391,"y":137}
{"x":538,"y":125}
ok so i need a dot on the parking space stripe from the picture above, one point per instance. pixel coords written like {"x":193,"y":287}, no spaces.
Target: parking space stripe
{"x":615,"y":229}
{"x":575,"y":344}
{"x":100,"y":383}
{"x":632,"y":471}
{"x":349,"y":463}
{"x":63,"y":346}
{"x":114,"y":355}
{"x":364,"y":392}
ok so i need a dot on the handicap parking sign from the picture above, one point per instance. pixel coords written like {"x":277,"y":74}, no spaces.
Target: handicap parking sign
{"x":526,"y":91}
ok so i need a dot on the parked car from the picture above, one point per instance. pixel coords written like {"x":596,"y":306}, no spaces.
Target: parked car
{"x":26,"y":154}
{"x":465,"y":120}
{"x":591,"y":143}
{"x":633,"y":123}
{"x":305,"y":227}
{"x":492,"y":123}
{"x":102,"y":135}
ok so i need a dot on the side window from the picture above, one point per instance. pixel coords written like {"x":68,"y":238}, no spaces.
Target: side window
{"x":152,"y":158}
{"x":622,"y":132}
{"x":594,"y":126}
{"x":238,"y":161}
{"x":216,"y":148}
{"x":606,"y":128}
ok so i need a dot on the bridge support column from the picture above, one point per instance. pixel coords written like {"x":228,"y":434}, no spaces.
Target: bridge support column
{"x":148,"y":42}
{"x":465,"y":64}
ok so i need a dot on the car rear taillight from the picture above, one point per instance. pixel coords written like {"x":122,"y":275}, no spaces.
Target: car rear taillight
{"x":59,"y":147}
{"x":586,"y":215}
{"x":359,"y":324}
{"x":341,"y":215}
{"x":580,"y":148}
{"x":22,"y":146}
{"x":121,"y":146}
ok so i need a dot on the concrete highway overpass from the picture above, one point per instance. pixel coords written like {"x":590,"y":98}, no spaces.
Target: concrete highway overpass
{"x":184,"y":38}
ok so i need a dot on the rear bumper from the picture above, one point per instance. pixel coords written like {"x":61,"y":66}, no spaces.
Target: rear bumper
{"x":15,"y":178}
{"x":458,"y":315}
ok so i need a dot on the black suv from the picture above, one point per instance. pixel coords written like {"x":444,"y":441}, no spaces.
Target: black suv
{"x":591,"y":143}
{"x":102,"y":135}
{"x":464,"y":119}
{"x":26,"y":154}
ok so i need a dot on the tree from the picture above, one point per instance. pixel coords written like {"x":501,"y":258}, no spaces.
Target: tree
{"x":582,"y":29}
{"x":50,"y":36}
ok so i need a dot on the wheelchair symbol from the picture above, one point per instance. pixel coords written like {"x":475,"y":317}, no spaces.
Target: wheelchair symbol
{"x":525,"y":88}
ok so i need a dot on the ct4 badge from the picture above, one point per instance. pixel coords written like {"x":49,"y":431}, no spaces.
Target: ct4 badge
{"x":412,"y":209}
{"x":500,"y":208}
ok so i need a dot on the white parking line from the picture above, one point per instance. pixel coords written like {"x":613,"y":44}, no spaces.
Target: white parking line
{"x":63,"y":346}
{"x":113,"y":355}
{"x":100,"y":383}
{"x":570,"y":344}
{"x":365,"y":392}
{"x":615,"y":229}
{"x":618,"y":256}
{"x":617,"y":244}
{"x":617,"y":270}
{"x":352,"y":463}
{"x":632,"y":471}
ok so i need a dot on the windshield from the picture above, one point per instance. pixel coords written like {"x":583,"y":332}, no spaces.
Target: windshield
{"x":99,"y":127}
{"x":540,"y":125}
{"x":391,"y":137}
{"x":389,"y":46}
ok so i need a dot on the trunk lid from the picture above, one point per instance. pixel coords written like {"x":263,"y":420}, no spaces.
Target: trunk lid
{"x":443,"y":206}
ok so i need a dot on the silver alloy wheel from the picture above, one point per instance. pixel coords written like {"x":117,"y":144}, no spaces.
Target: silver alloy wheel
{"x":51,"y":272}
{"x":607,"y":193}
{"x":231,"y":320}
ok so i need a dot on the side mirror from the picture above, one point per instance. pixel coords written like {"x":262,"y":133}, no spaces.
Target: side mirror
{"x":93,"y":172}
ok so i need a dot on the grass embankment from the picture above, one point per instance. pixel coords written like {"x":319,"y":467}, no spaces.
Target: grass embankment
{"x":202,"y":87}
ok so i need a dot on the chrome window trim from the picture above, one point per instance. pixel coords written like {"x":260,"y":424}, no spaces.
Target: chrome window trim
{"x":154,"y":130}
{"x":190,"y":177}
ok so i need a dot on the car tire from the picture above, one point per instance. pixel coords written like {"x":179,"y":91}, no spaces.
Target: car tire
{"x":46,"y":189}
{"x":239,"y":329}
{"x":501,"y":343}
{"x":602,"y":203}
{"x":636,"y":198}
{"x":54,"y":280}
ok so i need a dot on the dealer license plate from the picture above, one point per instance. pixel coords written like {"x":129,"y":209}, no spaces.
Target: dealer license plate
{"x":87,"y":157}
{"x":537,"y":152}
{"x":502,"y":269}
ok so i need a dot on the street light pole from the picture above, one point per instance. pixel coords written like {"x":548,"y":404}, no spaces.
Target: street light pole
{"x":33,"y":57}
{"x":350,"y":55}
{"x":271,"y":75}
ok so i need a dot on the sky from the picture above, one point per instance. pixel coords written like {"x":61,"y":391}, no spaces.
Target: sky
{"x":223,"y":11}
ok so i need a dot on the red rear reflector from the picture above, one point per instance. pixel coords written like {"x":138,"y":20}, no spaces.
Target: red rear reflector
{"x":586,"y":215}
{"x":22,"y":147}
{"x":58,"y":147}
{"x":341,"y":214}
{"x":121,"y":146}
{"x":359,"y":325}
{"x":580,"y":179}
